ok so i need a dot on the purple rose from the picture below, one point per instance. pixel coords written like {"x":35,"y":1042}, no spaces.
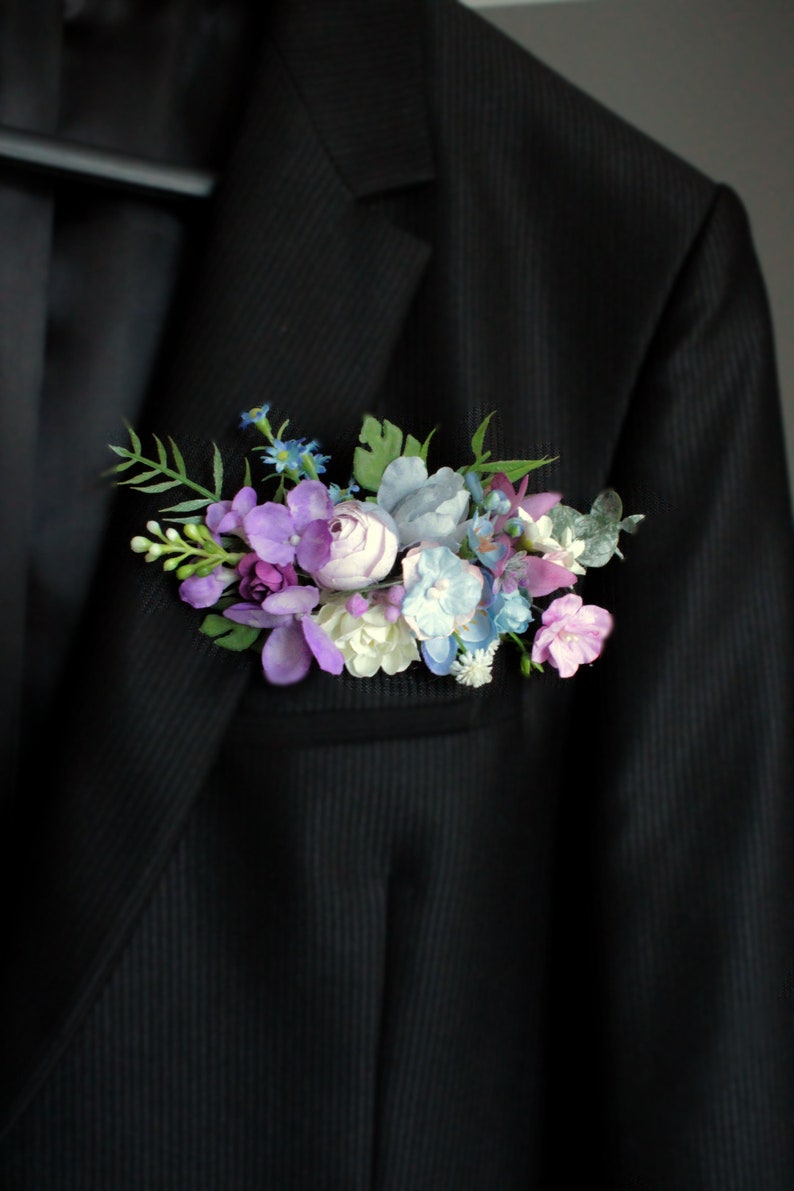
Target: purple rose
{"x":364,"y":543}
{"x":260,"y":579}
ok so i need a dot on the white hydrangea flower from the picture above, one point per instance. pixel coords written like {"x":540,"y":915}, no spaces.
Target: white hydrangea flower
{"x":538,"y":538}
{"x":474,"y":669}
{"x":369,"y":642}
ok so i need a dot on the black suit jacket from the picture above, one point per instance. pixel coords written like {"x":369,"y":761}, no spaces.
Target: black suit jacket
{"x":392,"y":933}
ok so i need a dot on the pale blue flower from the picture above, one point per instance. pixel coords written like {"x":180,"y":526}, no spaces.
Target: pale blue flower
{"x":490,"y":548}
{"x":292,"y":455}
{"x":252,"y":417}
{"x":425,"y":508}
{"x":472,"y":482}
{"x":441,"y":591}
{"x":510,"y":612}
{"x":338,"y":494}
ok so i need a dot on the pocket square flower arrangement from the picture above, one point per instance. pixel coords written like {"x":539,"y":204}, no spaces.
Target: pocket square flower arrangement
{"x":402,"y":566}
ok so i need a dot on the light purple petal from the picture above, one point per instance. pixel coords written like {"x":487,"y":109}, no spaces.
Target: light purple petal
{"x":329,"y":657}
{"x":314,"y":548}
{"x":286,"y":657}
{"x":309,"y":501}
{"x":243,"y":502}
{"x":357,"y":605}
{"x":204,"y":591}
{"x":292,"y":600}
{"x":215,"y":515}
{"x":268,"y":529}
{"x":253,"y":615}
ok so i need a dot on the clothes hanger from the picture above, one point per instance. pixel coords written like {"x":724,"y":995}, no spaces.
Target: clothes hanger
{"x":32,"y":152}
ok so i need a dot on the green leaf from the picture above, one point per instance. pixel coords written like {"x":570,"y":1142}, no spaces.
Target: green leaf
{"x":142,"y":477}
{"x":629,"y":524}
{"x":413,"y":447}
{"x":563,"y":517}
{"x":117,"y":467}
{"x":187,"y":506}
{"x":217,"y":469}
{"x":478,"y":439}
{"x":136,"y":442}
{"x":227,"y":634}
{"x":150,"y":488}
{"x":383,"y":442}
{"x":608,"y":505}
{"x":172,"y":475}
{"x":601,"y":546}
{"x":514,"y":469}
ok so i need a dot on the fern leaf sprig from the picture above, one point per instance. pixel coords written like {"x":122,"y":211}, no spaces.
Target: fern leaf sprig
{"x":161,"y":475}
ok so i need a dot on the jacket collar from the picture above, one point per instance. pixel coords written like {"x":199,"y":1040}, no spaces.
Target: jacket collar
{"x":359,"y":68}
{"x":298,"y":298}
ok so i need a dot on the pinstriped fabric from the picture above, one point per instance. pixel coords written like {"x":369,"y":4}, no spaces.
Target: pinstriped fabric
{"x":288,"y":1012}
{"x":541,"y":943}
{"x":680,"y":769}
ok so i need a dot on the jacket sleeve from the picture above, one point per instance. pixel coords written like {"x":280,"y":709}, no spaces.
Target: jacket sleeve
{"x":683,"y":803}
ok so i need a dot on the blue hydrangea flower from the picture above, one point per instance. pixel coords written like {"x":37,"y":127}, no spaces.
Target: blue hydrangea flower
{"x":442,"y":591}
{"x":510,"y":612}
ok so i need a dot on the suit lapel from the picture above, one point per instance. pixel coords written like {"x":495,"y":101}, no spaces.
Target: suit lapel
{"x":300,"y":294}
{"x":30,"y":47}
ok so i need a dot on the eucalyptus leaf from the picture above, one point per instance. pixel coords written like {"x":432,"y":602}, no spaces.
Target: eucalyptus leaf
{"x":629,"y":524}
{"x":563,"y":518}
{"x":601,"y":546}
{"x":608,"y":505}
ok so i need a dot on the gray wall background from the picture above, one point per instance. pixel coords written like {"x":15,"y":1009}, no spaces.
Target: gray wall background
{"x":713,"y":80}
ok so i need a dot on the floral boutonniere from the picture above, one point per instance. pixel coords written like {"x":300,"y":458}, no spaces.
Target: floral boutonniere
{"x":401,"y":566}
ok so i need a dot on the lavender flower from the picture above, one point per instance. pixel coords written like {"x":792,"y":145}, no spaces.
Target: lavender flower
{"x":295,"y":531}
{"x":295,"y":639}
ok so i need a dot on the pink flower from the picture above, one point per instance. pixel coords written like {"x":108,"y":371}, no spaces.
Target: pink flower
{"x":572,"y":634}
